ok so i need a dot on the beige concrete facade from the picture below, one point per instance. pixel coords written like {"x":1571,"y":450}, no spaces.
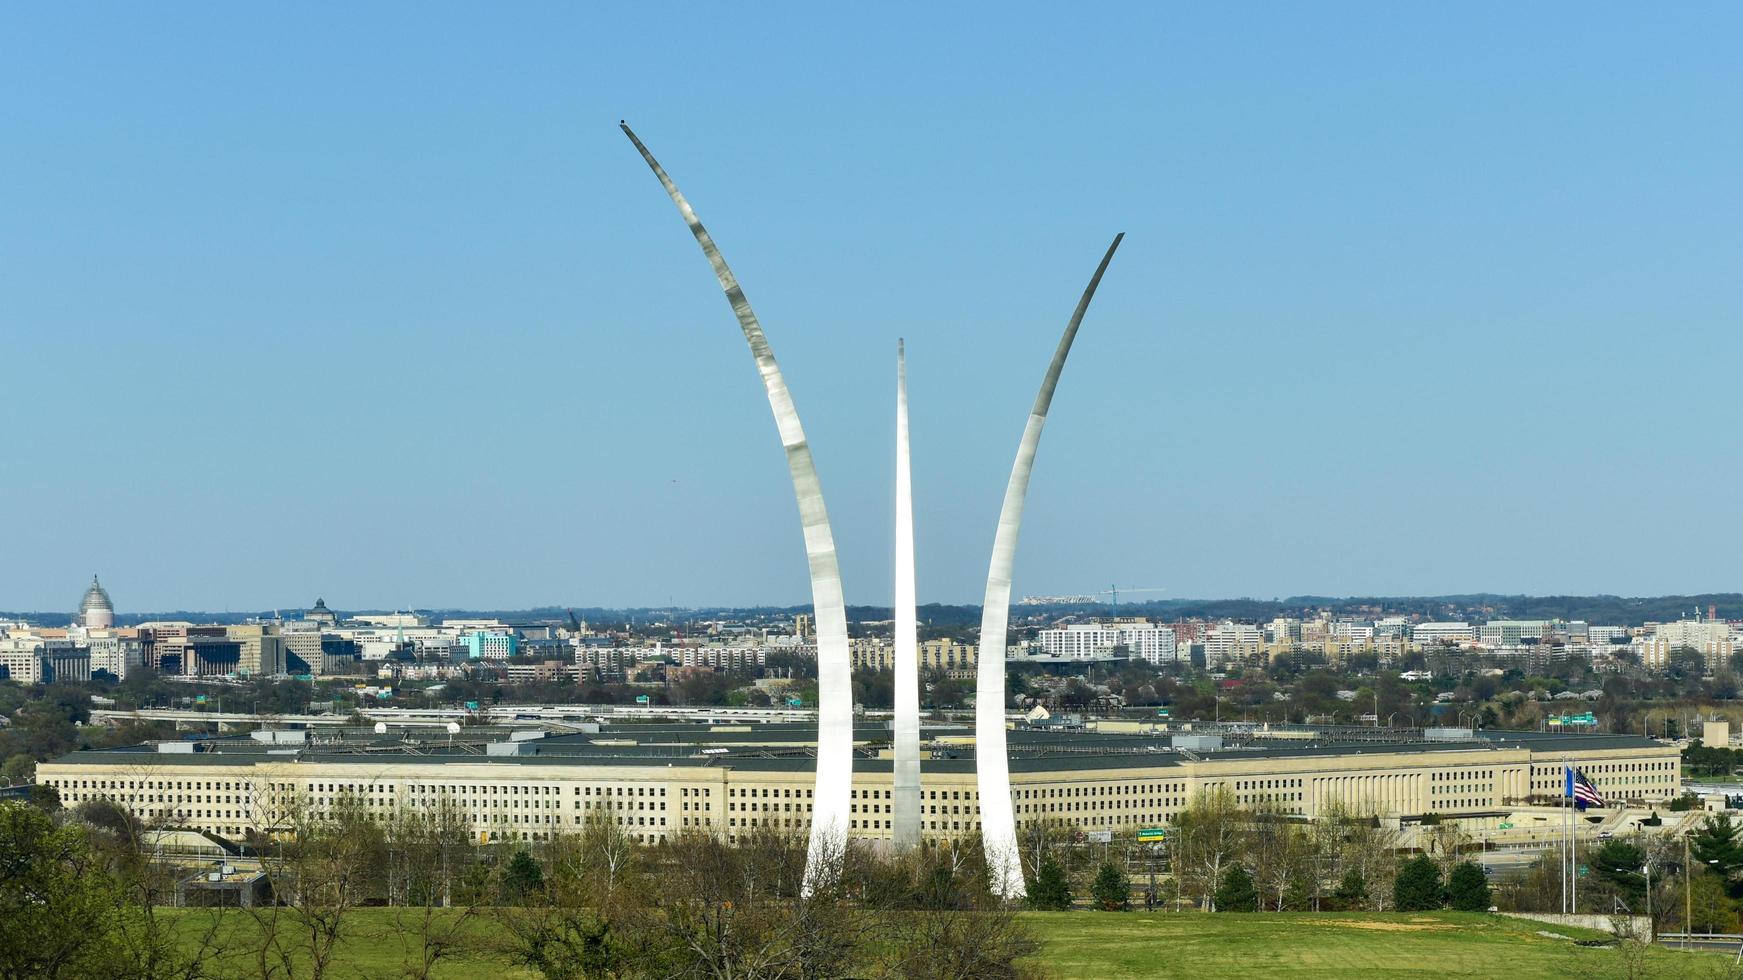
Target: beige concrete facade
{"x":945,"y":655}
{"x":528,"y":797}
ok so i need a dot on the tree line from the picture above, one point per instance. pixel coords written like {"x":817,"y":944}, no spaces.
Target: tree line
{"x":84,"y":895}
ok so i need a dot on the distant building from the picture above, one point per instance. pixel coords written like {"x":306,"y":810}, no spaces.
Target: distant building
{"x":21,"y":659}
{"x":31,"y":659}
{"x":1510,"y":632}
{"x":385,"y":620}
{"x":260,"y":651}
{"x":1283,"y":632}
{"x":1137,"y":639}
{"x":1230,"y":641}
{"x":1710,"y":638}
{"x":1079,"y":641}
{"x":1391,"y":626}
{"x":96,"y":612}
{"x":491,"y":645}
{"x":189,"y":650}
{"x":321,"y":615}
{"x":64,"y":662}
{"x":1431,"y":634}
{"x":115,"y":652}
{"x":721,"y":658}
{"x":303,"y":653}
{"x":944,"y":655}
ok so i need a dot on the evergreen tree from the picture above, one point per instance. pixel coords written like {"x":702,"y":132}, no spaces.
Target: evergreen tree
{"x":522,"y":877}
{"x":1716,"y":843}
{"x":1352,"y":891}
{"x":1618,"y":862}
{"x":1110,"y":889}
{"x":1235,"y":893}
{"x":1417,"y":888}
{"x":1051,"y":892}
{"x":1298,"y":894}
{"x":1467,"y":888}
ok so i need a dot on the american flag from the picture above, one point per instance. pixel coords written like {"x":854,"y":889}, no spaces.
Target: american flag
{"x":1584,"y":793}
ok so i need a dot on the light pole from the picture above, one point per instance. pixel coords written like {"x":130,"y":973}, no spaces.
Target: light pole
{"x":1688,"y":902}
{"x":1174,"y":869}
{"x":1651,"y":926}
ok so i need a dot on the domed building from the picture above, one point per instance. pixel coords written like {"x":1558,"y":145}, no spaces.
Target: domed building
{"x":321,"y":614}
{"x":96,"y":612}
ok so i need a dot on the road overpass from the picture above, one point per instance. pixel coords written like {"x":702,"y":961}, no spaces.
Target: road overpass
{"x":493,"y":714}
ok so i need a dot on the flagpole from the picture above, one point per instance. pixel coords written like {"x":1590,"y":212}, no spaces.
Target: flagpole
{"x":1573,"y":848}
{"x":1567,"y":837}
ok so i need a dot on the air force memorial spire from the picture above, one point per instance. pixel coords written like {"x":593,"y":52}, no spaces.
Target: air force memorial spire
{"x":829,"y":804}
{"x":998,"y":822}
{"x":906,"y":776}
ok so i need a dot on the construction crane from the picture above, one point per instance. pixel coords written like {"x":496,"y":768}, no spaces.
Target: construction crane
{"x":1115,"y":590}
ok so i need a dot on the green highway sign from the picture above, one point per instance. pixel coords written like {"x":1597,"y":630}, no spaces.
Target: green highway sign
{"x":1152,"y":834}
{"x":1506,"y":826}
{"x":1161,"y":712}
{"x":472,"y":706}
{"x":641,"y":699}
{"x":795,"y":702}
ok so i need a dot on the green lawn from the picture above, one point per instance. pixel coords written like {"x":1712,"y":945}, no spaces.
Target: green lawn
{"x":1294,"y":945}
{"x":1110,"y":946}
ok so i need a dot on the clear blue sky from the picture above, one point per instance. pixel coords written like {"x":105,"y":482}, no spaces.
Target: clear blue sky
{"x":374,"y":301}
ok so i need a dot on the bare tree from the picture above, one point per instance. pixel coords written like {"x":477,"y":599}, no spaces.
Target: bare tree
{"x":1209,"y":837}
{"x":591,"y":918}
{"x":324,"y":864}
{"x":986,"y":944}
{"x":1446,"y":843}
{"x":1371,"y":849}
{"x":1325,"y":837}
{"x":146,"y":943}
{"x":1038,"y":840}
{"x":1278,"y":849}
{"x":427,"y":852}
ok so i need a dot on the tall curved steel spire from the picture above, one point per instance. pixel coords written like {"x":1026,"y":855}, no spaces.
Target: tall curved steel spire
{"x":829,"y":803}
{"x":998,"y":822}
{"x":906,"y":779}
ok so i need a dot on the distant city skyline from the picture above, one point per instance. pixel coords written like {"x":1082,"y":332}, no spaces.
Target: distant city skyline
{"x":1413,"y":301}
{"x":1727,"y":605}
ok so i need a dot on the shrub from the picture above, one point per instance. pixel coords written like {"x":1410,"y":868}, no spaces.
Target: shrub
{"x":1235,"y":893}
{"x":1051,"y":892}
{"x":1352,"y":891}
{"x":1418,"y":886}
{"x":1110,"y":889}
{"x":1467,"y":888}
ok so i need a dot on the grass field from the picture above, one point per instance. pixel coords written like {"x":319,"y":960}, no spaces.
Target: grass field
{"x":1102,"y":945}
{"x":1093,"y":946}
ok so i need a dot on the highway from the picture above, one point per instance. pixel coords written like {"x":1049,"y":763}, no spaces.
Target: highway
{"x":495,"y":714}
